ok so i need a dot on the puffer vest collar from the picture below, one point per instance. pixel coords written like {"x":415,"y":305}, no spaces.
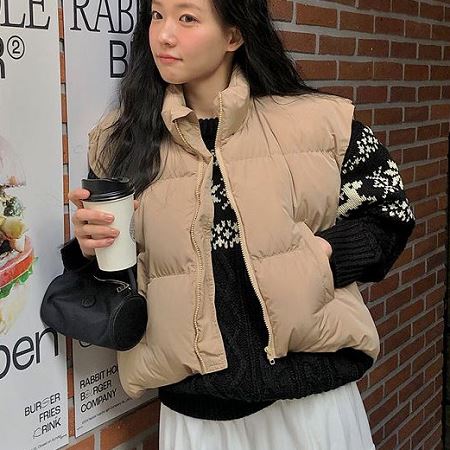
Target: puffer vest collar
{"x":232,"y":105}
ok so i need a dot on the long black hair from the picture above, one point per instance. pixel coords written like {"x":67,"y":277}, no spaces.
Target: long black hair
{"x":132,"y":148}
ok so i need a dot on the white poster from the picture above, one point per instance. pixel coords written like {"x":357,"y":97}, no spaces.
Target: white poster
{"x":97,"y":44}
{"x":99,"y":396}
{"x":97,"y":37}
{"x":33,"y":372}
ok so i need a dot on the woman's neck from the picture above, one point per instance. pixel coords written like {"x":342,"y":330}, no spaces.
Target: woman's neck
{"x":201,"y":93}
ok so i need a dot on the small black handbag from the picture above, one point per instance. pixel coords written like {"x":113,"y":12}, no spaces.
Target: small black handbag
{"x":96,"y":307}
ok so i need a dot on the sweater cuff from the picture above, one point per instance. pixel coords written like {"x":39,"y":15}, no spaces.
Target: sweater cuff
{"x":353,"y":251}
{"x":73,"y":258}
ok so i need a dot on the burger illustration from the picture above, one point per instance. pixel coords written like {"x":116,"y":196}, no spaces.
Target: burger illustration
{"x":16,"y":253}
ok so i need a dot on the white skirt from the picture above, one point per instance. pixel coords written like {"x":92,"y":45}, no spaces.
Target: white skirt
{"x":332,"y":420}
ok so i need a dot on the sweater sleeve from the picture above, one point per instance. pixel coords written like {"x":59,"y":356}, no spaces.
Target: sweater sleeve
{"x":374,"y":218}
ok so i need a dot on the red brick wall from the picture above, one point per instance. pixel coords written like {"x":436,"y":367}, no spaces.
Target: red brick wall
{"x":391,"y":57}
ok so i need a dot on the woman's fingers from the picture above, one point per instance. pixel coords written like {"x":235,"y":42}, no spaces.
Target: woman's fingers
{"x":325,"y":245}
{"x":92,"y":216}
{"x":77,"y":195}
{"x":96,"y":232}
{"x":91,"y":244}
{"x":91,"y":226}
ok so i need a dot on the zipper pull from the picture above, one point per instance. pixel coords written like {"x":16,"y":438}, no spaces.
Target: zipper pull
{"x":269,"y":356}
{"x":122,"y":288}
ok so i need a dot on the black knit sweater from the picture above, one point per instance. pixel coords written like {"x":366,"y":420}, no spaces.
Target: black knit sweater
{"x":373,"y":225}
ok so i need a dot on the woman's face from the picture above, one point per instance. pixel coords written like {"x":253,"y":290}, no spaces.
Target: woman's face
{"x":187,"y":40}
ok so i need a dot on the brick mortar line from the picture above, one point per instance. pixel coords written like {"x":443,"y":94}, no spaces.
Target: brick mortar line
{"x":383,"y":83}
{"x":409,"y":265}
{"x":402,"y":326}
{"x":375,"y":12}
{"x":431,"y":216}
{"x":403,"y":345}
{"x":428,"y":2}
{"x":388,"y":417}
{"x":436,"y":2}
{"x":411,"y":124}
{"x":138,"y":439}
{"x":419,"y":202}
{"x":408,"y":323}
{"x":408,"y":165}
{"x":429,"y":417}
{"x":416,"y":183}
{"x":361,"y":34}
{"x":403,"y":307}
{"x":297,"y":55}
{"x":420,"y":183}
{"x":97,"y":438}
{"x":381,"y":383}
{"x":335,"y":82}
{"x":433,"y":431}
{"x":417,"y":261}
{"x":393,"y":413}
{"x":411,"y":164}
{"x":401,"y":287}
{"x":419,"y":143}
{"x":73,"y":440}
{"x":396,"y":430}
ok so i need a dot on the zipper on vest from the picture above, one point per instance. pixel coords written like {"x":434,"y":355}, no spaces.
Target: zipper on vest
{"x":197,"y":249}
{"x":270,"y":348}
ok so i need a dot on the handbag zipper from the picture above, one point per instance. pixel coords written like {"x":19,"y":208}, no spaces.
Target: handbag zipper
{"x":197,"y":249}
{"x":122,"y":284}
{"x":270,"y":348}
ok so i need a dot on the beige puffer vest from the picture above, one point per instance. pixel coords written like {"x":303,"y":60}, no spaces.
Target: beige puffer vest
{"x":280,"y":159}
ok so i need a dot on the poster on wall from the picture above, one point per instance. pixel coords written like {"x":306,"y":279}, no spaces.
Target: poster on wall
{"x":98,"y":394}
{"x":33,"y":369}
{"x":97,"y":36}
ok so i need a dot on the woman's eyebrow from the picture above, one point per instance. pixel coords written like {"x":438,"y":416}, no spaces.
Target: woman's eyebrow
{"x":180,"y":5}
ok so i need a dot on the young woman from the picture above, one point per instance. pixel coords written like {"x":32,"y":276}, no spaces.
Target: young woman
{"x":261,"y":203}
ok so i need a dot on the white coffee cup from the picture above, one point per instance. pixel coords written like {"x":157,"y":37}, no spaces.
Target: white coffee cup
{"x":114,"y":196}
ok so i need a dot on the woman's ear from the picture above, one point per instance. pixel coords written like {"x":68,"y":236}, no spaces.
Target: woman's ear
{"x":235,"y":39}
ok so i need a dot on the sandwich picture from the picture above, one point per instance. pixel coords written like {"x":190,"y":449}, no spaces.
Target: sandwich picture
{"x":16,"y":253}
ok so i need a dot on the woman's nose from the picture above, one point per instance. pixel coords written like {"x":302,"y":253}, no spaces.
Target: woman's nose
{"x":167,"y":35}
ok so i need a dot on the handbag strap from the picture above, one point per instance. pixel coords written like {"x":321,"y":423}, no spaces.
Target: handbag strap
{"x":133,"y":283}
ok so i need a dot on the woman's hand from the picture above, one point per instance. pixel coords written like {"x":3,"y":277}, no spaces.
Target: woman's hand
{"x":325,"y":245}
{"x":97,"y":233}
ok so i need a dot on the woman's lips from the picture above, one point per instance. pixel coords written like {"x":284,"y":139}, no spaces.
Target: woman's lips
{"x":168,"y":59}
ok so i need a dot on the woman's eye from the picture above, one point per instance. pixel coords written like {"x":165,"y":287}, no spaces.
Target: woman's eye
{"x":155,"y":15}
{"x":189,"y":18}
